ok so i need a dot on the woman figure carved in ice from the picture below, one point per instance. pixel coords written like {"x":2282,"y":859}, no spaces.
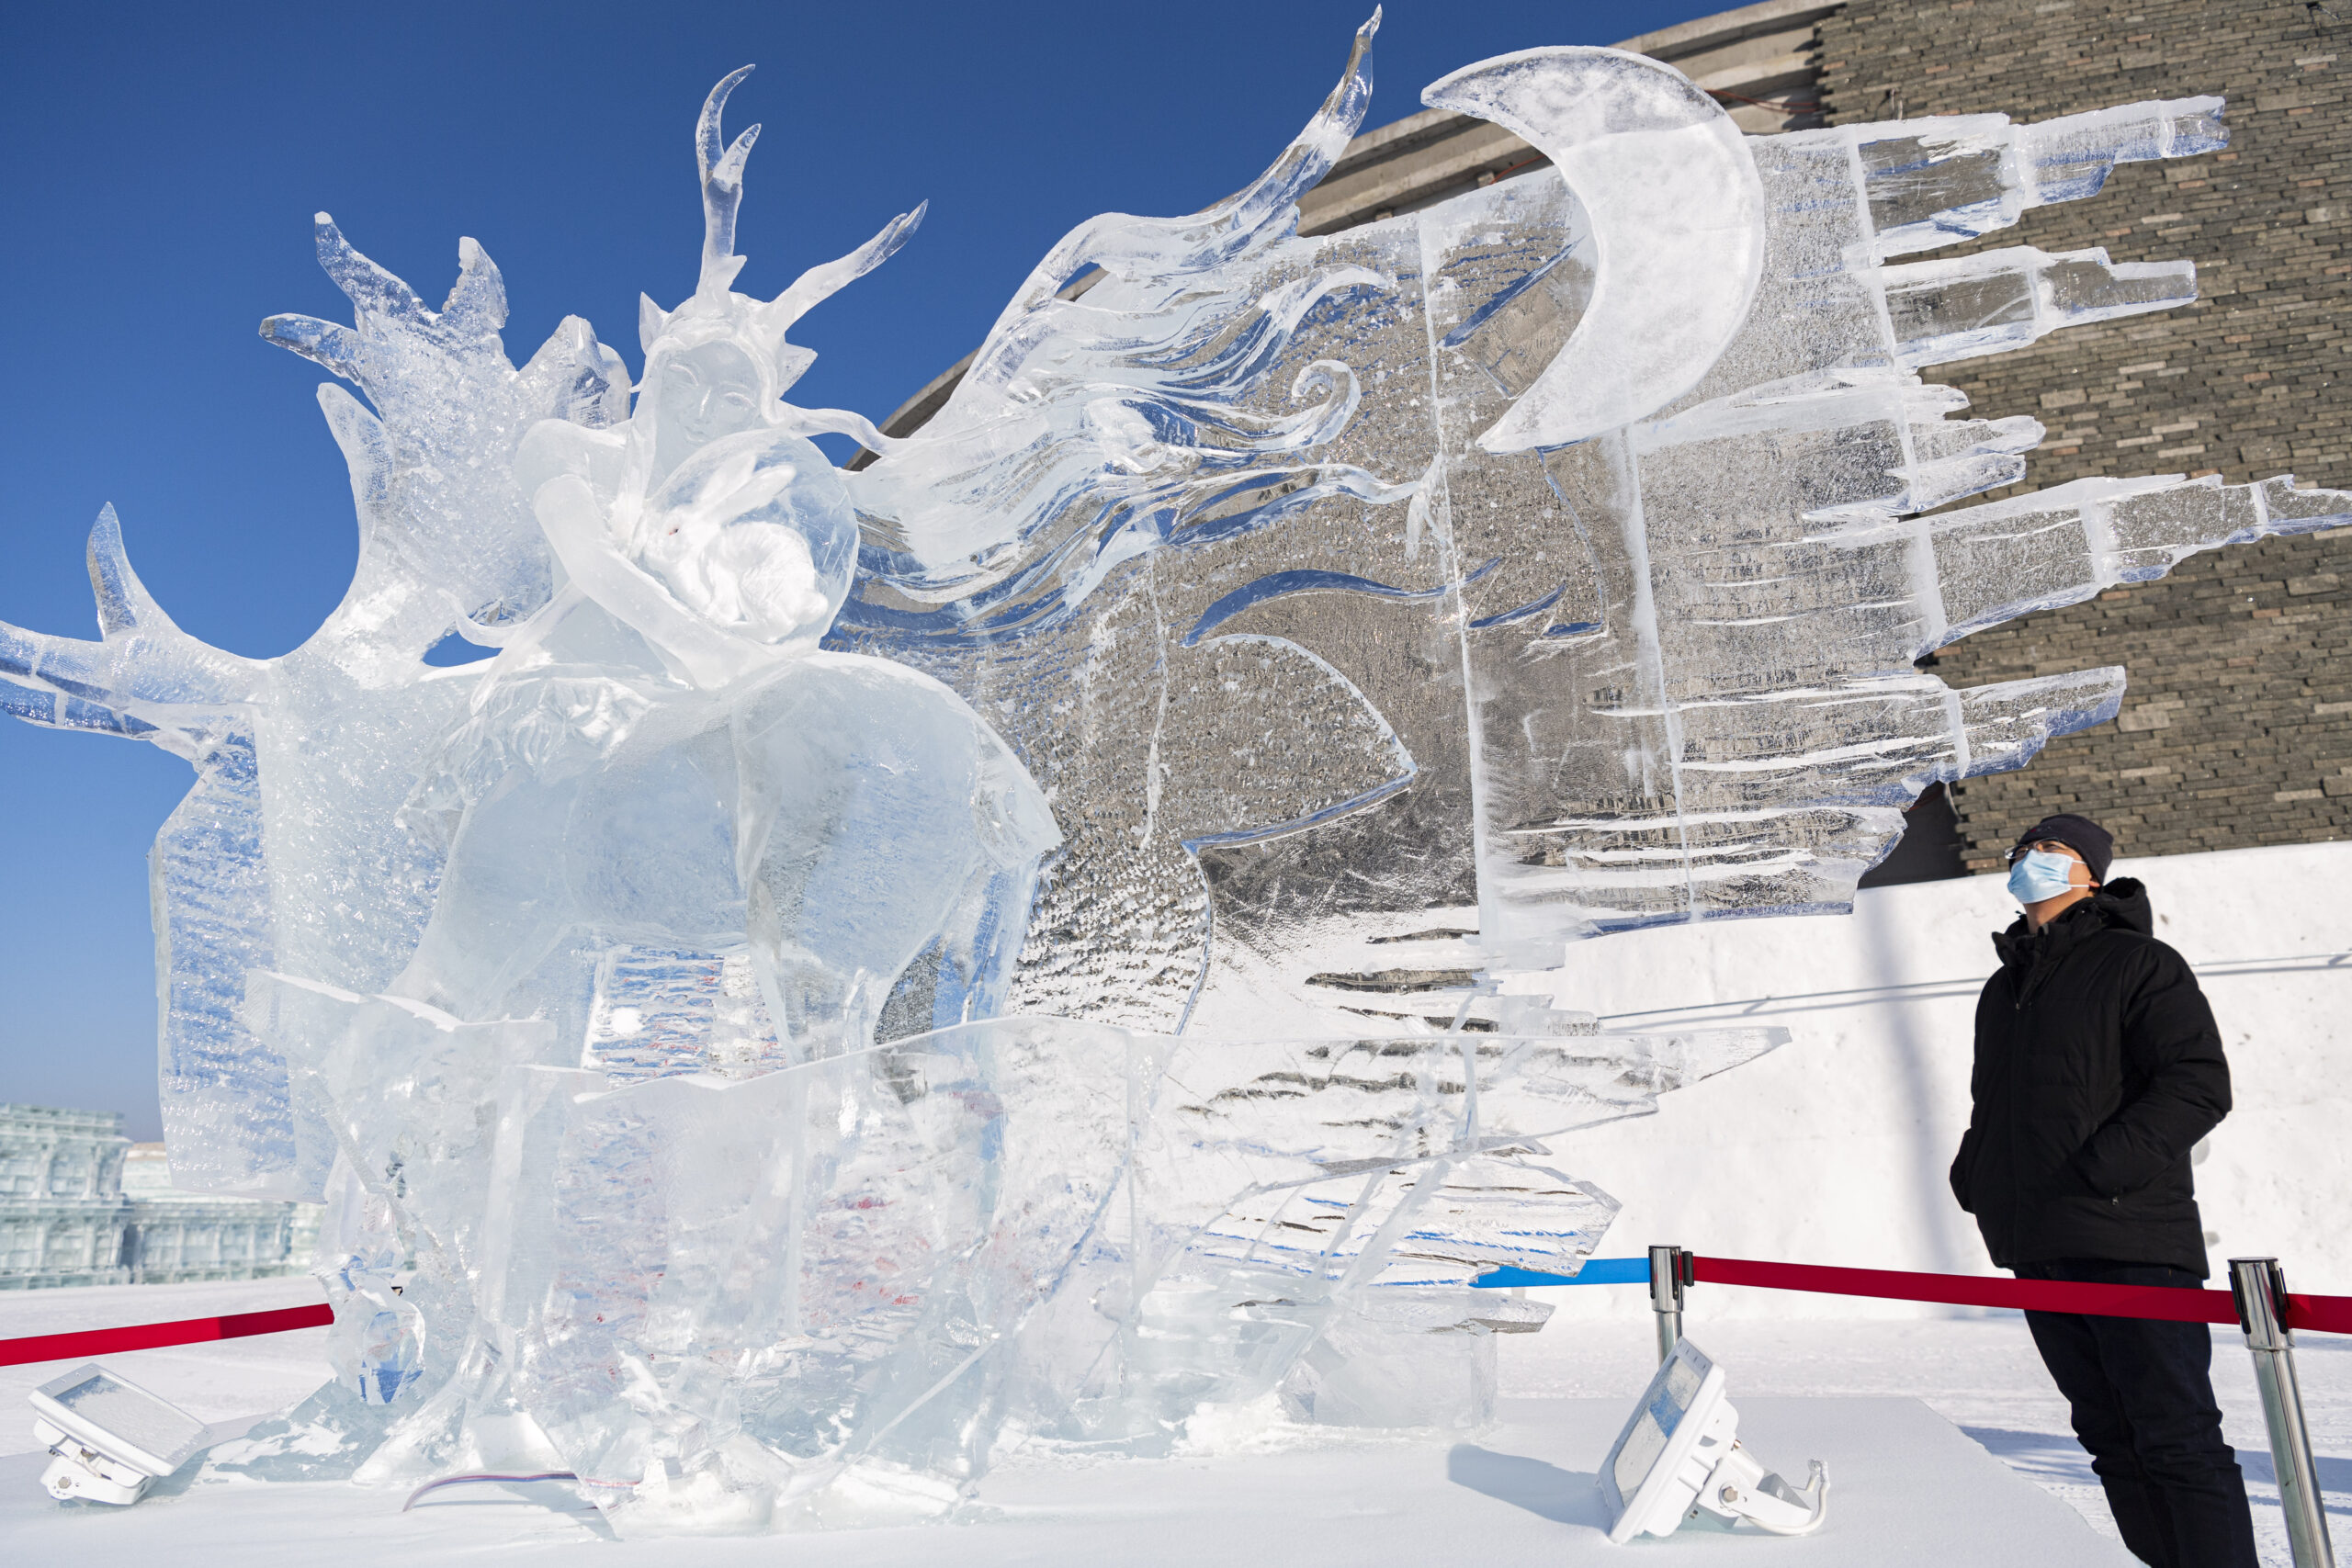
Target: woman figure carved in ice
{"x":663,"y":761}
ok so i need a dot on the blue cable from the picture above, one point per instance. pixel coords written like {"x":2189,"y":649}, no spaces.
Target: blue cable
{"x":1596,"y":1271}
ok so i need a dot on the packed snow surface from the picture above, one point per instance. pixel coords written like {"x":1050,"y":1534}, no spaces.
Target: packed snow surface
{"x":1978,"y":1373}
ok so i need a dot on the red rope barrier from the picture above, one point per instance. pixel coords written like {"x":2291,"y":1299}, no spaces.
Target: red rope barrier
{"x":152,"y":1335}
{"x":2326,"y":1315}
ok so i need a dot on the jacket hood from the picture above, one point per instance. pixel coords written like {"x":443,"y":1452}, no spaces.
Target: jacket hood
{"x":2124,"y":902}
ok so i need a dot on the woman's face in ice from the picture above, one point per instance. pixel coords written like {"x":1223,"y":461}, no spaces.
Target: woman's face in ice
{"x":705,"y":392}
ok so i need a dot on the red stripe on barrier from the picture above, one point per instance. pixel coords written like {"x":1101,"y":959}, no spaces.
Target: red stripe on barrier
{"x":2326,"y":1315}
{"x":1966,"y":1290}
{"x":2322,"y":1315}
{"x":153,"y":1336}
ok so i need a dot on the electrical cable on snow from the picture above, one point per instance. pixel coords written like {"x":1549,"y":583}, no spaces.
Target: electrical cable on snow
{"x":498,"y":1475}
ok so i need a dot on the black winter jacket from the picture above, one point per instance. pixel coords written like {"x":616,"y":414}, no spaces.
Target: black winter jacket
{"x":2098,"y":1068}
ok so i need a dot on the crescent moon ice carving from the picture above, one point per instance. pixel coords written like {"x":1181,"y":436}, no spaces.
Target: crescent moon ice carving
{"x":1676,"y":212}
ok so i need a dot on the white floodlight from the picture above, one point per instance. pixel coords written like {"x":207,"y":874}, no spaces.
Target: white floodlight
{"x":112,"y":1439}
{"x":1680,"y":1453}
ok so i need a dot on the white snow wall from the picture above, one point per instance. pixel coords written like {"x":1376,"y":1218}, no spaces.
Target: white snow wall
{"x":1833,"y":1149}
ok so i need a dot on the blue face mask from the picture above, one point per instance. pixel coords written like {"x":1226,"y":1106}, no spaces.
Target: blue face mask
{"x":2040,"y":874}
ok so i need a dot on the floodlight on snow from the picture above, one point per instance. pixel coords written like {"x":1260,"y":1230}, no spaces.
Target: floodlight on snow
{"x":1680,"y":1453}
{"x":112,"y":1439}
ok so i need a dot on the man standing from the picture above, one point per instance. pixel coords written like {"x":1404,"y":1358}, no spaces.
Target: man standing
{"x":2098,"y":1069}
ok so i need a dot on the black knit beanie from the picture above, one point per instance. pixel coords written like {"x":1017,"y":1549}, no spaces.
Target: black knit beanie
{"x":2080,"y":834}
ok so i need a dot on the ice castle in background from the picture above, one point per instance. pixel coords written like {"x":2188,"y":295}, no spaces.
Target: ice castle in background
{"x":754,"y":1031}
{"x":80,"y":1204}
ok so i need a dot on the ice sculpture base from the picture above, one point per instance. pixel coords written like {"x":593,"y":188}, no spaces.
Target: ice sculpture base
{"x":1910,"y":1487}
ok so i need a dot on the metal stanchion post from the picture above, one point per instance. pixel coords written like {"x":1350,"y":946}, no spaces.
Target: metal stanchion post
{"x":1670,"y":1274}
{"x":2261,"y":1290}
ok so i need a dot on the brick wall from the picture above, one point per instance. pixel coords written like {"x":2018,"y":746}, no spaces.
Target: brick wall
{"x":2237,"y":728}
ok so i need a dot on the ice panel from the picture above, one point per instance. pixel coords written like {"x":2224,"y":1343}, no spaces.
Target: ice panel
{"x":2000,"y":299}
{"x":1931,"y":182}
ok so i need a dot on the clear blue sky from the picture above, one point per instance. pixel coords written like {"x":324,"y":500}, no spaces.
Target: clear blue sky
{"x":162,"y":165}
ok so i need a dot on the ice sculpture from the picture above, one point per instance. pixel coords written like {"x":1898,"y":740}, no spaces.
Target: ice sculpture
{"x":755,"y":1028}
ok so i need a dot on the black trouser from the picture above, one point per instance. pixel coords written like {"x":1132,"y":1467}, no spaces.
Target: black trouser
{"x":2143,"y":1398}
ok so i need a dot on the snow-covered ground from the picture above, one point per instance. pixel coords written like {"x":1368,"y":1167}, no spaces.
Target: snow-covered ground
{"x":1978,"y":1372}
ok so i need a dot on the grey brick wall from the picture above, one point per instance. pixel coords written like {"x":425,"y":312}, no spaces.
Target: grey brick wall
{"x":2237,"y":728}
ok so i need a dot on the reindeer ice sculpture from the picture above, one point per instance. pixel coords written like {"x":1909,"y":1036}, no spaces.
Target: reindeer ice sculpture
{"x":743,"y":1023}
{"x":665,"y":750}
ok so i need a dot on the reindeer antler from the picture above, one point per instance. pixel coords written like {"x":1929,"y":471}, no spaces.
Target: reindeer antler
{"x":722,"y":186}
{"x":826,"y":279}
{"x":759,"y":324}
